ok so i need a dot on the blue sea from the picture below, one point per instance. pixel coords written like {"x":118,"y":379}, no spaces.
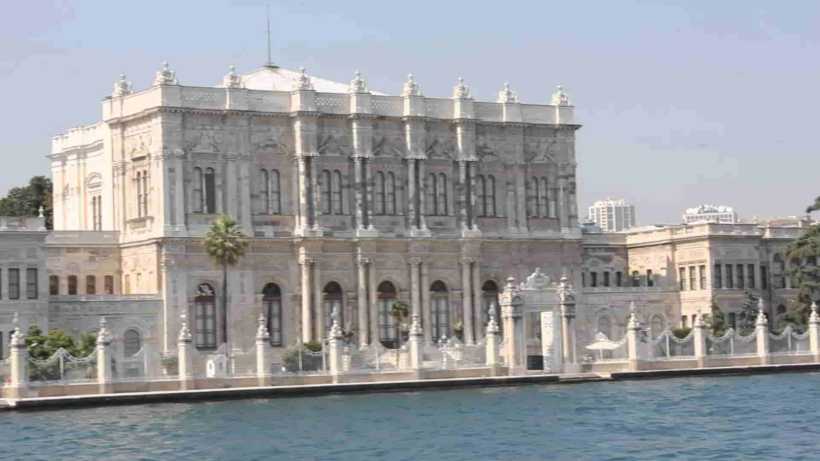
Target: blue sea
{"x":747,"y":417}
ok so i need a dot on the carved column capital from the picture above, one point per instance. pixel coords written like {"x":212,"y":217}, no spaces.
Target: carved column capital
{"x":306,"y":260}
{"x":415,"y":261}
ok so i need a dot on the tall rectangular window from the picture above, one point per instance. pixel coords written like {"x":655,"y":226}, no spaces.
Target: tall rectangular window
{"x":682,"y":278}
{"x":606,"y":278}
{"x":109,"y":284}
{"x":730,"y":277}
{"x":619,"y":279}
{"x":692,"y":282}
{"x":72,"y":284}
{"x":732,"y":320}
{"x":90,"y":285}
{"x":593,"y":279}
{"x":740,"y":280}
{"x":717,"y":276}
{"x":650,"y":280}
{"x":764,"y":278}
{"x":702,"y":277}
{"x":31,"y":283}
{"x":54,"y":285}
{"x":14,"y":283}
{"x":750,"y":276}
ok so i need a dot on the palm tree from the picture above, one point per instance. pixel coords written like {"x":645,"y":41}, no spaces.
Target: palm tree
{"x":225,"y":244}
{"x":815,"y":206}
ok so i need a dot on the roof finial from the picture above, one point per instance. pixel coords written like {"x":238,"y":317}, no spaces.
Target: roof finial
{"x":461,"y":91}
{"x":231,"y":79}
{"x":411,"y":88}
{"x":303,"y":83}
{"x":506,"y":95}
{"x":122,"y":86}
{"x":358,"y":84}
{"x":269,"y":62}
{"x":559,"y":97}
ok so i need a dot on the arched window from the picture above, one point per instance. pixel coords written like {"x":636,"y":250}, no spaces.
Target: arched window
{"x":264,"y":192}
{"x":72,"y":284}
{"x":333,"y":303}
{"x":379,"y":200}
{"x":326,"y":189}
{"x":441,"y":197}
{"x":275,"y":193}
{"x":337,"y":199}
{"x":272,"y":306}
{"x":490,"y":195}
{"x":138,"y":183}
{"x":657,"y":325}
{"x":440,"y":310}
{"x":390,"y":194}
{"x":532,"y":198}
{"x":542,"y":198}
{"x":197,"y":197}
{"x":386,"y":294}
{"x":489,"y":300}
{"x":90,"y":285}
{"x":481,"y":192}
{"x":205,"y":317}
{"x":132,"y":342}
{"x":605,"y":325}
{"x":209,"y":185}
{"x":430,"y":194}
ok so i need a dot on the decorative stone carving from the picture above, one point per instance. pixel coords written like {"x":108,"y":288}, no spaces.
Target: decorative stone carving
{"x":262,"y":329}
{"x":232,"y":79}
{"x":184,"y":332}
{"x":461,"y":91}
{"x":411,"y":88}
{"x":506,"y":95}
{"x":165,"y":76}
{"x":103,"y":335}
{"x":559,"y":97}
{"x":565,"y":292}
{"x":303,"y":83}
{"x":358,"y":84}
{"x":122,"y":87}
{"x":536,"y":281}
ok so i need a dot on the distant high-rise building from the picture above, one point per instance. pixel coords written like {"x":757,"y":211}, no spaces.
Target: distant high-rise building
{"x":612,"y":215}
{"x":710,"y":213}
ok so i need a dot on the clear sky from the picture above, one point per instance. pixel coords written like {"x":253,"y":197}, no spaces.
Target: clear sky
{"x":682,"y":102}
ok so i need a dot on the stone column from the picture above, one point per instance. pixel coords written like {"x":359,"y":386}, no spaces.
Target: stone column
{"x":521,"y":194}
{"x":335,"y":349}
{"x":427,"y":314}
{"x":179,"y":190}
{"x":104,"y":374}
{"x":359,"y":191}
{"x":411,"y":194}
{"x":415,"y":342}
{"x":315,"y":192}
{"x":563,"y":212}
{"x":756,"y":275}
{"x":415,"y":298}
{"x":762,"y":332}
{"x":319,"y":304}
{"x":18,"y":363}
{"x":491,"y":344}
{"x":462,"y":195}
{"x":515,"y":349}
{"x":814,"y":332}
{"x":477,"y":299}
{"x":232,"y":199}
{"x":472,"y":170}
{"x":302,"y":177}
{"x":368,"y":193}
{"x":374,"y":308}
{"x":632,"y":330}
{"x":361,"y":299}
{"x":262,"y":352}
{"x":723,"y":282}
{"x":245,"y":213}
{"x":422,"y":174}
{"x":307,"y":323}
{"x":566,"y":296}
{"x":467,"y":301}
{"x":700,"y":340}
{"x":185,"y":355}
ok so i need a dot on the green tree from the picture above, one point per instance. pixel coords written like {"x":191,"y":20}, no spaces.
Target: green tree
{"x":716,"y":321}
{"x":226,"y":245}
{"x":27,"y":200}
{"x":42,"y":346}
{"x":814,"y":206}
{"x":747,"y":316}
{"x":803,"y":254}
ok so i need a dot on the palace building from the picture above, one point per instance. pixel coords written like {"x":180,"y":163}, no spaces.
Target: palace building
{"x":352,"y":199}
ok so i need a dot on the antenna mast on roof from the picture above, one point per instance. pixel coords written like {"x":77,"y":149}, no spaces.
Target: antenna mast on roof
{"x":269,"y":62}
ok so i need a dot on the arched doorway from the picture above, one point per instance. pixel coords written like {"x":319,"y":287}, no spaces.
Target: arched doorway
{"x":272,"y":306}
{"x":440,"y":310}
{"x":333,"y":302}
{"x":205,"y":317}
{"x":387,"y":295}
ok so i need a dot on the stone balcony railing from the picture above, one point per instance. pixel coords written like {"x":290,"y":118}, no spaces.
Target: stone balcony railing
{"x":22,"y":223}
{"x":240,"y":99}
